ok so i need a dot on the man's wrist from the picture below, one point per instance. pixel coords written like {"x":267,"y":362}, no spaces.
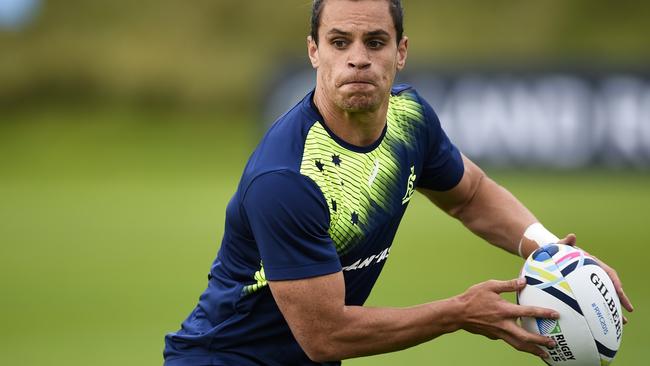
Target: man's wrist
{"x":450,"y":315}
{"x":535,"y":236}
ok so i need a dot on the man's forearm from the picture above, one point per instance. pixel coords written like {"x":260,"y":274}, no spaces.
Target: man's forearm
{"x":328,"y":330}
{"x":485,"y":208}
{"x":368,"y":331}
{"x":496,"y":215}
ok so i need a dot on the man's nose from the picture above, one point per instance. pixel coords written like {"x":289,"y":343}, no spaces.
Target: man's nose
{"x":358,"y":57}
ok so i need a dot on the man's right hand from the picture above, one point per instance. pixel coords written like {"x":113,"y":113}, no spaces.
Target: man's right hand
{"x":485,"y":312}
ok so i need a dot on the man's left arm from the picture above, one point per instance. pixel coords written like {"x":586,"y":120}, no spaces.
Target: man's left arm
{"x":494,"y":214}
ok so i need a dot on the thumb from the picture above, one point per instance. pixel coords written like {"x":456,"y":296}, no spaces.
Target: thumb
{"x":569,"y":240}
{"x":516,"y":284}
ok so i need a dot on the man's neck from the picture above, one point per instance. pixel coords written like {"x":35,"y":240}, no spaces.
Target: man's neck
{"x":356,"y":128}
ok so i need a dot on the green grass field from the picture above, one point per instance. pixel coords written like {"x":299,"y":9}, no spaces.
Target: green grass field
{"x":109,"y":222}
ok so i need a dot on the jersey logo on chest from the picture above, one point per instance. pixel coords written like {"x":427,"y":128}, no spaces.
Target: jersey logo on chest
{"x":410,"y":186}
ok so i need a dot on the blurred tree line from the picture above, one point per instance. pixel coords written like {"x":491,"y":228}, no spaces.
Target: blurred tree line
{"x":219,"y":54}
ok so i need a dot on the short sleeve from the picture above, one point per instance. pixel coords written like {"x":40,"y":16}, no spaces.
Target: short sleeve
{"x":289,"y":219}
{"x":443,"y":165}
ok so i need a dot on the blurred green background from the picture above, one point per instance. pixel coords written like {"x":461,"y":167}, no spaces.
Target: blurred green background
{"x":124,"y":127}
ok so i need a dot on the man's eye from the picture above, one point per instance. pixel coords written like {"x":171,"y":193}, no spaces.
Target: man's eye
{"x":339,"y":43}
{"x":375,"y":44}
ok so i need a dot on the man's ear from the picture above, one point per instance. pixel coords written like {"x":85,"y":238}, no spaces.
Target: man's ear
{"x":402,"y":51}
{"x":312,"y":51}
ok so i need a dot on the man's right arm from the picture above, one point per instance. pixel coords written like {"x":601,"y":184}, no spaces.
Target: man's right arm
{"x":328,"y":330}
{"x":304,"y":274}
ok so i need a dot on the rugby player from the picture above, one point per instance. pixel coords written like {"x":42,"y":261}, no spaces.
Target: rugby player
{"x":318,"y":205}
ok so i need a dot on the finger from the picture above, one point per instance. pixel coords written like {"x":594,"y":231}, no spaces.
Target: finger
{"x":507,"y":286}
{"x":534,"y":312}
{"x":618,"y":285}
{"x":569,"y":240}
{"x":625,"y":301}
{"x":525,"y":347}
{"x":624,"y":320}
{"x":525,"y":336}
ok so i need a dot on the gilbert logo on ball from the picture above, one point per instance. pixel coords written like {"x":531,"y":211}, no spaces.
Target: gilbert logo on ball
{"x":566,"y":279}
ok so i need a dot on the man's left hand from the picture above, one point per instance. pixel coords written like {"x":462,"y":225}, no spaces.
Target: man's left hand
{"x":625,"y":301}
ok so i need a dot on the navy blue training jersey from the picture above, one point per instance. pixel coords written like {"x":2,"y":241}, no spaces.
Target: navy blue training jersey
{"x":310,"y":204}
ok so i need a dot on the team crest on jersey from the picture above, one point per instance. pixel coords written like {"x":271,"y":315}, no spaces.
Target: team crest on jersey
{"x":410,"y":186}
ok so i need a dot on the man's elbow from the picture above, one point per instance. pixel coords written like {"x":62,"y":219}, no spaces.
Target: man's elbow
{"x":324,"y":345}
{"x":460,"y":211}
{"x":321,"y":351}
{"x":319,"y":356}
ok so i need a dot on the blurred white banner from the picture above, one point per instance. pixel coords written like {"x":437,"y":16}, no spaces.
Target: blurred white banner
{"x":561,"y":120}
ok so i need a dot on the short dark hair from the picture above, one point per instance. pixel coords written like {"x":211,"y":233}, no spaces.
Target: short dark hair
{"x":396,"y":12}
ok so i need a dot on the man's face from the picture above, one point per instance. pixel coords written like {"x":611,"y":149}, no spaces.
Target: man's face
{"x":357,"y":55}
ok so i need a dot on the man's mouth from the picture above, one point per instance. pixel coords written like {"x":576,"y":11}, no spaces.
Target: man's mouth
{"x":358,"y":81}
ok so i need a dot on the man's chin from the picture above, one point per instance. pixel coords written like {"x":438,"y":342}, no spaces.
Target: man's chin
{"x":358,"y":103}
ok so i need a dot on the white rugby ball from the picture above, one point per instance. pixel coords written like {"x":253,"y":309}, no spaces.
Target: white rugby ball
{"x":566,"y":279}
